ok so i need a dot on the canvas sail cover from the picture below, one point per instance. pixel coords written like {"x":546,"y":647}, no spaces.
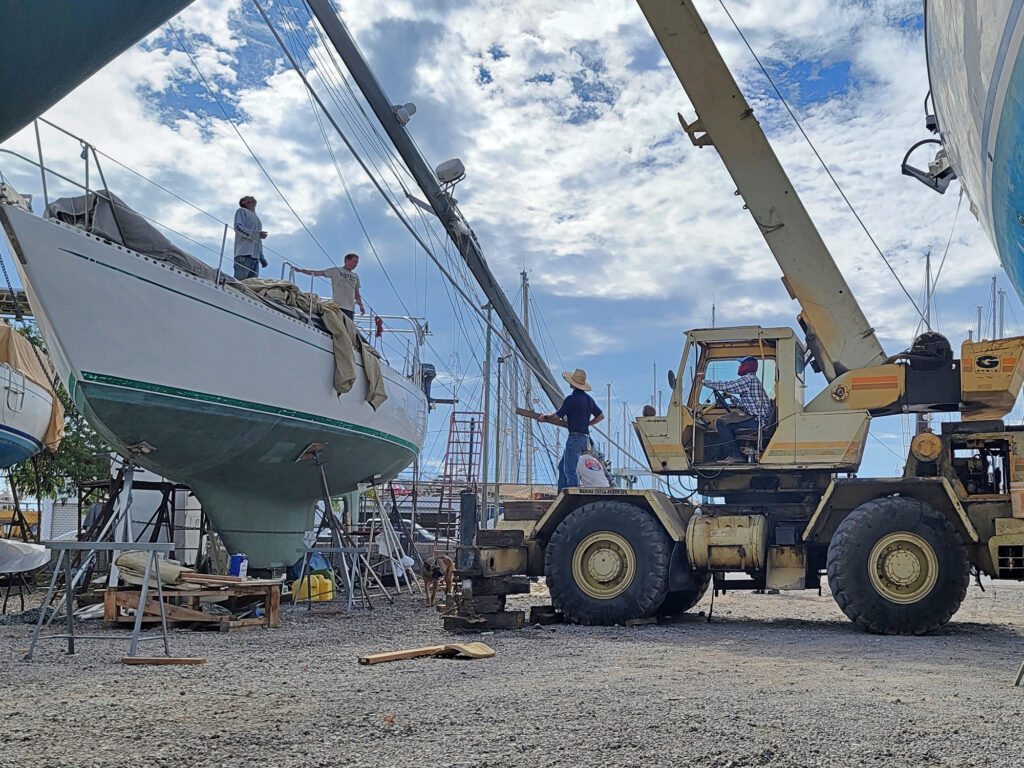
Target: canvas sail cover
{"x":343,"y":331}
{"x":18,"y":352}
{"x":112,"y":220}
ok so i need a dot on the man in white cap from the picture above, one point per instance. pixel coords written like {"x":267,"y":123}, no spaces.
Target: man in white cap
{"x":249,"y":237}
{"x":580,"y":413}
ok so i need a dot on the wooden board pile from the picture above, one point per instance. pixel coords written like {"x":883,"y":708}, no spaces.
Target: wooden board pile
{"x":496,"y":571}
{"x":184,"y":606}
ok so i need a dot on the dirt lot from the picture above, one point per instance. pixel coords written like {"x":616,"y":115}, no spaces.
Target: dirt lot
{"x":772,"y":680}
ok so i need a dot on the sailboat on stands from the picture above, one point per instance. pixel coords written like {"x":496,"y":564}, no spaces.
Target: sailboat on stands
{"x":207,"y":383}
{"x":203,"y":381}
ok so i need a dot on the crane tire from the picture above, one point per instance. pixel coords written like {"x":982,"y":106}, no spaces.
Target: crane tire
{"x":607,"y":562}
{"x":896,"y":566}
{"x":683,"y":600}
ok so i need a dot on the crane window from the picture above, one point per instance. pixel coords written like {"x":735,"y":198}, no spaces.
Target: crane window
{"x":726,"y":370}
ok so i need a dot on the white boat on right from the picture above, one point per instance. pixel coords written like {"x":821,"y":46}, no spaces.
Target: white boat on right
{"x":976,"y":74}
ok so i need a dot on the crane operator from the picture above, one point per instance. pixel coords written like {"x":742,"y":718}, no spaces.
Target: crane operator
{"x":753,"y":399}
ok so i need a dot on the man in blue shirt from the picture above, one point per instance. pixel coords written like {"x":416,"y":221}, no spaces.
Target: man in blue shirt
{"x":579,"y":413}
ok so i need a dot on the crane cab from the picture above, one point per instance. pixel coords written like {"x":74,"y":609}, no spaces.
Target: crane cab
{"x":689,"y":436}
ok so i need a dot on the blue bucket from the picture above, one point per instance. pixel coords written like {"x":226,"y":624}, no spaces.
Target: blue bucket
{"x":239,"y":565}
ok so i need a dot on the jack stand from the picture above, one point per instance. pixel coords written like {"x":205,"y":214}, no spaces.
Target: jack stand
{"x":349,"y":571}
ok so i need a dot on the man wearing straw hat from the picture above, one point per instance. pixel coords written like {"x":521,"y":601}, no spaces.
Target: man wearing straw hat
{"x":580,"y":413}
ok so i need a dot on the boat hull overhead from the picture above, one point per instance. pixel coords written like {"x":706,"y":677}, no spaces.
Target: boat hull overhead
{"x":977,"y":81}
{"x":208,"y":386}
{"x":50,"y":49}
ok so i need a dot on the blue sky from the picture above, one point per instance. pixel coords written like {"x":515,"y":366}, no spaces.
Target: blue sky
{"x":565,"y":116}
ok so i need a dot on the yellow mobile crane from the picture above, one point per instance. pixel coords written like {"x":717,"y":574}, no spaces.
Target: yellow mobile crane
{"x":897,"y":551}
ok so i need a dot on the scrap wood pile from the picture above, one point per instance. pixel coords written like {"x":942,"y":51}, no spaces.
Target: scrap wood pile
{"x":495,"y":571}
{"x":202,"y":600}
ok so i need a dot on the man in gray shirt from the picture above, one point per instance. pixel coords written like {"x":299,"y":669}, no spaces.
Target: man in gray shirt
{"x":249,"y":237}
{"x":344,"y":284}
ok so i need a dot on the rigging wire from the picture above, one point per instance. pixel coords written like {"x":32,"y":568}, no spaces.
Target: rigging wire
{"x":474,"y":306}
{"x":234,"y":125}
{"x":942,"y":262}
{"x":178,"y":197}
{"x":938,"y":272}
{"x":820,"y":159}
{"x":457,"y":313}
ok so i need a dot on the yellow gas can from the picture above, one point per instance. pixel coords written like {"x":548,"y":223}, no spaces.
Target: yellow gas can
{"x":323,"y":588}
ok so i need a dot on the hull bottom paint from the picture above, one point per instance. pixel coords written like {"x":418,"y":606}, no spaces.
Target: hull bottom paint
{"x":240,"y":462}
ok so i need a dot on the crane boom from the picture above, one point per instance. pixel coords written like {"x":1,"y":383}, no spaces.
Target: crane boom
{"x":837,"y":332}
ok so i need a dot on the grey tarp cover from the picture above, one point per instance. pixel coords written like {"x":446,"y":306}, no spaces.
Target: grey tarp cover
{"x":342,"y":329}
{"x":120,"y":224}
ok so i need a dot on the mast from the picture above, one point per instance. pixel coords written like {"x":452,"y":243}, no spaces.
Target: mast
{"x":527,"y":391}
{"x":455,"y":224}
{"x":994,"y":336}
{"x":485,"y":459}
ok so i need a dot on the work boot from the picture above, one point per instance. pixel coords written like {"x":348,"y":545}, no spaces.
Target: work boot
{"x":731,"y":460}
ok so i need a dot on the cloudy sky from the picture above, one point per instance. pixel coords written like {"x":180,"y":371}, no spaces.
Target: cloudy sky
{"x":577,"y":170}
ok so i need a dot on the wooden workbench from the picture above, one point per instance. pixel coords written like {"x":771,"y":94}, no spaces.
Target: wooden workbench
{"x":183,"y":606}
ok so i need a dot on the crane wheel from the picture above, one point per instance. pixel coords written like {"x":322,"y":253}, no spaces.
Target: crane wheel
{"x":683,"y":600}
{"x":897,"y":567}
{"x":607,"y":562}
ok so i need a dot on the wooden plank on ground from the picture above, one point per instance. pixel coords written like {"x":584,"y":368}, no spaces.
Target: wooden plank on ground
{"x":411,"y":653}
{"x":486,"y":621}
{"x":171,"y":611}
{"x":161,"y":660}
{"x":486,"y":603}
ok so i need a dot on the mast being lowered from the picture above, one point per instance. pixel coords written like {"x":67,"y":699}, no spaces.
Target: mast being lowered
{"x":455,"y":224}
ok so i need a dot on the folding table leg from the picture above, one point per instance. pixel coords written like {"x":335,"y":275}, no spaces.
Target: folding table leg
{"x":141,"y":608}
{"x":68,"y":600}
{"x":163,"y":610}
{"x":46,"y":602}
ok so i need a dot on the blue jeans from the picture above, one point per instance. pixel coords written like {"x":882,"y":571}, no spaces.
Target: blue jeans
{"x":574,"y":446}
{"x":246,"y":267}
{"x":727,"y":434}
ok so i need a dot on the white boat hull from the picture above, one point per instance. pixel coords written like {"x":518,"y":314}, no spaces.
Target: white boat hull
{"x":227,"y":391}
{"x":24,"y":416}
{"x":977,"y":80}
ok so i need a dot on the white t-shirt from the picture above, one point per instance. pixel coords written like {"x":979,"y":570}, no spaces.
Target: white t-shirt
{"x":590,"y":472}
{"x":344,"y":284}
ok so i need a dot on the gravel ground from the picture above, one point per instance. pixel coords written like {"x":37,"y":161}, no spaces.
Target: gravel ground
{"x":772,"y":680}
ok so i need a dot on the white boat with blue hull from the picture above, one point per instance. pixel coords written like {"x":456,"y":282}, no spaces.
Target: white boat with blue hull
{"x":976,"y":74}
{"x":25,"y":410}
{"x":208,"y":385}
